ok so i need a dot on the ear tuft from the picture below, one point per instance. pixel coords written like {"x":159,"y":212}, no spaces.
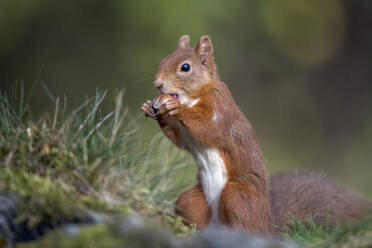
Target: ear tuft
{"x":204,"y":48}
{"x":184,"y":41}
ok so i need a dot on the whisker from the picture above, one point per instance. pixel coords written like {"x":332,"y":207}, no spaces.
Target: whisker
{"x":143,"y":79}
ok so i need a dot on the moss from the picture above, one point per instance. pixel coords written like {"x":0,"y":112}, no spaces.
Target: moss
{"x":93,"y":236}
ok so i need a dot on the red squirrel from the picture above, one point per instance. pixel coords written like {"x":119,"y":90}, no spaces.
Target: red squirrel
{"x":197,"y":113}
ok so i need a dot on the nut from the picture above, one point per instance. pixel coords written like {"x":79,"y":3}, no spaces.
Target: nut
{"x":160,"y":100}
{"x":158,"y":103}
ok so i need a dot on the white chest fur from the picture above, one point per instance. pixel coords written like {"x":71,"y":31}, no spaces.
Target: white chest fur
{"x":212,"y":170}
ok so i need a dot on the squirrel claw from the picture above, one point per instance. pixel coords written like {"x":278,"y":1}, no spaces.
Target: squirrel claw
{"x":147,"y":108}
{"x":169,"y":108}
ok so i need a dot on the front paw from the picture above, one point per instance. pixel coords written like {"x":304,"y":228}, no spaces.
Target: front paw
{"x":172,"y":107}
{"x":148,"y":109}
{"x":165,"y":105}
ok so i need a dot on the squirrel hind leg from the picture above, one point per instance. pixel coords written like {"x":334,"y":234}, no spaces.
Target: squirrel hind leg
{"x":192,"y":206}
{"x":312,"y":196}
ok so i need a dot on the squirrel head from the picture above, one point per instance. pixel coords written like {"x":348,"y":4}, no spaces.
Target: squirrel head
{"x":185,"y":70}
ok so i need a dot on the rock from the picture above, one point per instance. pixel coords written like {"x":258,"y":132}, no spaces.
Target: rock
{"x":135,"y":232}
{"x":7,"y":214}
{"x":220,"y":238}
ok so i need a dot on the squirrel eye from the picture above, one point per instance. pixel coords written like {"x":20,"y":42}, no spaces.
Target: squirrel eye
{"x":185,"y":67}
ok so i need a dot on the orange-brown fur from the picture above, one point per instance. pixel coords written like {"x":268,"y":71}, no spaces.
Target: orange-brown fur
{"x":193,"y":207}
{"x":216,"y":122}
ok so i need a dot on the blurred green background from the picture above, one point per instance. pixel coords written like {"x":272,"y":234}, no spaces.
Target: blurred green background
{"x":301,"y":70}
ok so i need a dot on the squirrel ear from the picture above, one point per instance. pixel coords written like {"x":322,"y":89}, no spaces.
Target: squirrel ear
{"x":204,"y":48}
{"x":184,"y":41}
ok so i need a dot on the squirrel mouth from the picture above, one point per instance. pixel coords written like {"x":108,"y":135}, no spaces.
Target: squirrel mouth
{"x":174,"y":95}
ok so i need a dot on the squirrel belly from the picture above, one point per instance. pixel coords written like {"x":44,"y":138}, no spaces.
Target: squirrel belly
{"x":212,"y":171}
{"x":197,"y":113}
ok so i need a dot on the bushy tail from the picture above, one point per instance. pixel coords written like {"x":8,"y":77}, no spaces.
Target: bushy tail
{"x":304,"y":196}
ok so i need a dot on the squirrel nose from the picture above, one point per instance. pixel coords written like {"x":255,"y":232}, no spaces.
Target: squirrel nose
{"x":158,"y":84}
